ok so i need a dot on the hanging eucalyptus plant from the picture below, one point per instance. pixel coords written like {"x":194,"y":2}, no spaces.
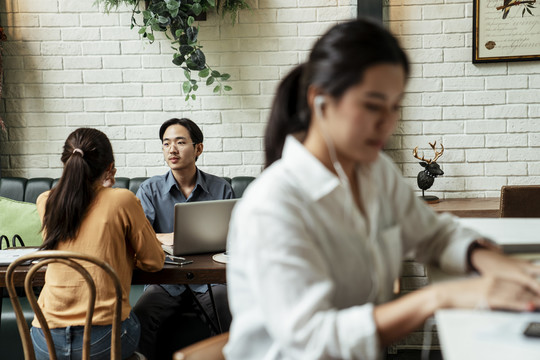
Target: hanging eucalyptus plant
{"x":176,"y":19}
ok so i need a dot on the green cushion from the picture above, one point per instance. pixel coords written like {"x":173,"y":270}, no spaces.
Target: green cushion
{"x":17,"y":217}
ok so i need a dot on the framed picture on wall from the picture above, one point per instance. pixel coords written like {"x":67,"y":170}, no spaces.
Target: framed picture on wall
{"x":370,"y":8}
{"x":506,"y":30}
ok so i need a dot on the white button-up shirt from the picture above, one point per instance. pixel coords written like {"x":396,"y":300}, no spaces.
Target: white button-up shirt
{"x":307,"y":266}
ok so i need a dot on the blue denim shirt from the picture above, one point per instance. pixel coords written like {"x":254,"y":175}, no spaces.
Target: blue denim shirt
{"x":160,"y":193}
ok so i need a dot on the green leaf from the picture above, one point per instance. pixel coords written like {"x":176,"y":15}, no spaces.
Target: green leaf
{"x":193,"y":81}
{"x":174,"y":13}
{"x":195,"y":87}
{"x":163,"y":19}
{"x":227,"y":88}
{"x":216,"y":73}
{"x":217,"y":88}
{"x":187,"y":74}
{"x":178,"y":32}
{"x":204,"y":73}
{"x":225,"y":77}
{"x":193,"y":97}
{"x":183,"y":39}
{"x":212,"y":3}
{"x":150,"y":36}
{"x":210,"y":81}
{"x":199,"y":59}
{"x":197,"y":9}
{"x":155,"y":26}
{"x":186,"y":49}
{"x":191,"y":65}
{"x":192,"y":33}
{"x":186,"y":86}
{"x":173,"y":5}
{"x":529,"y":11}
{"x":147,"y":14}
{"x":190,"y":20}
{"x":187,"y":97}
{"x":178,"y":60}
{"x":142,"y":30}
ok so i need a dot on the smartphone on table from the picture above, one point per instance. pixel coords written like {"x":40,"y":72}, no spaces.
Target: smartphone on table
{"x":533,"y":330}
{"x":176,"y":260}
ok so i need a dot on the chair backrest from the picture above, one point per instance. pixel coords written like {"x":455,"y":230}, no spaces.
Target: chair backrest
{"x":520,"y":201}
{"x":28,"y":190}
{"x":67,"y":258}
{"x":209,"y":349}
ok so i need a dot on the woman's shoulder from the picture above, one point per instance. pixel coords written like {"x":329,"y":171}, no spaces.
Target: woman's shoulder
{"x":43,"y":197}
{"x":42,"y":200}
{"x":385,"y":168}
{"x":119,"y":197}
{"x":275,"y":185}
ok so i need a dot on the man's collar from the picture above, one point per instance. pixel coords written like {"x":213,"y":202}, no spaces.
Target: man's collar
{"x":200,"y":182}
{"x":170,"y":181}
{"x":315,"y":178}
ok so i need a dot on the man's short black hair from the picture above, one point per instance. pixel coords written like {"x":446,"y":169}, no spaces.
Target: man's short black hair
{"x":194,"y":131}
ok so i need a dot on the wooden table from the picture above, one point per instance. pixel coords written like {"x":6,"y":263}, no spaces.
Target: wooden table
{"x":483,"y":207}
{"x":203,"y":270}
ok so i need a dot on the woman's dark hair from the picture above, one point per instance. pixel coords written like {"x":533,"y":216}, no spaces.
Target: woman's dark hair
{"x":336,"y":63}
{"x":194,"y":131}
{"x":87,"y":155}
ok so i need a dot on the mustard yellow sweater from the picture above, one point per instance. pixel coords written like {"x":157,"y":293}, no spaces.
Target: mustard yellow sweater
{"x":115,"y":230}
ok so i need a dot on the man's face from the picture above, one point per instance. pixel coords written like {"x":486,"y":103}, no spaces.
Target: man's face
{"x":178,"y":148}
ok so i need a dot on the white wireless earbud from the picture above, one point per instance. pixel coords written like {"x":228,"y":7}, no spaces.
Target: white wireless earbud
{"x":318,"y":103}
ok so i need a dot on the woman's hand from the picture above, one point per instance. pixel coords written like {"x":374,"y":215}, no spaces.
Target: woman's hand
{"x":108,"y":180}
{"x":487,"y":292}
{"x":166,"y":238}
{"x":495,"y":264}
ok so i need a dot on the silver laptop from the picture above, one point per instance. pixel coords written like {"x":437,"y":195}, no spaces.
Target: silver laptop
{"x":201,"y":227}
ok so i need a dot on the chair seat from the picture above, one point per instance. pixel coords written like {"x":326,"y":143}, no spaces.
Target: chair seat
{"x":209,"y":349}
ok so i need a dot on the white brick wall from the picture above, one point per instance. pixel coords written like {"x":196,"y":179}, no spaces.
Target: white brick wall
{"x":486,"y":115}
{"x":66,"y":64}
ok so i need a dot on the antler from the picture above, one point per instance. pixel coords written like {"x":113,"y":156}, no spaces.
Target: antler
{"x":415,"y":154}
{"x":437,"y":154}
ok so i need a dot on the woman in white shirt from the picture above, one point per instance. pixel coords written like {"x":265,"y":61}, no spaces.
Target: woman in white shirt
{"x":318,"y":238}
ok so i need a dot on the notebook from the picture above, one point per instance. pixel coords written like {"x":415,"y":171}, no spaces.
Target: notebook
{"x":514,"y":235}
{"x":9,"y":255}
{"x":201,"y":227}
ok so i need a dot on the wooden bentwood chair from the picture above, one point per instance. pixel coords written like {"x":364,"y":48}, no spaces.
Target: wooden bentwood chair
{"x":67,"y":258}
{"x":209,"y":349}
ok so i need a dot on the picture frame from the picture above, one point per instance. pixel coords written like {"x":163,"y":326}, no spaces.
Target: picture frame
{"x":506,"y":30}
{"x":371,"y":9}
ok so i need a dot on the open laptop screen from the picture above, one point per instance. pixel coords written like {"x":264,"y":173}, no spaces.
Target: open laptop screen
{"x":201,"y":227}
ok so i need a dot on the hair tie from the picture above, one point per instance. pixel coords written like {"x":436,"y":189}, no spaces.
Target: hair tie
{"x":78,"y":151}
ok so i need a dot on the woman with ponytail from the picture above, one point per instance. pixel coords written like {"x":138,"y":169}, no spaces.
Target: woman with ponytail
{"x":317,"y":241}
{"x":84,"y":214}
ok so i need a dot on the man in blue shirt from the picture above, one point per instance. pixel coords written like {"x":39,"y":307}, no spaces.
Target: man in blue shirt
{"x":182,"y":143}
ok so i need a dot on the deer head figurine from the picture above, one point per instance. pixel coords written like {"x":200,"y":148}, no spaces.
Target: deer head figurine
{"x":426,"y":178}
